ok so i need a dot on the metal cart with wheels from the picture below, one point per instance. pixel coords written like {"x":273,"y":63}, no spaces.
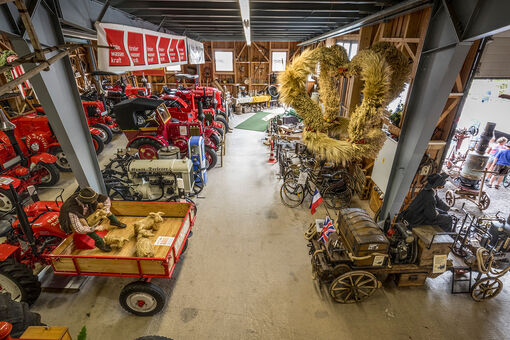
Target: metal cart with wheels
{"x":141,"y":297}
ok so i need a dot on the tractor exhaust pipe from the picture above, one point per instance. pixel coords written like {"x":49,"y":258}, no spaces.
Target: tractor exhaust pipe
{"x":23,"y":219}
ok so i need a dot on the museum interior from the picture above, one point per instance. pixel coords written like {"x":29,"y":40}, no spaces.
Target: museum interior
{"x":254,"y":169}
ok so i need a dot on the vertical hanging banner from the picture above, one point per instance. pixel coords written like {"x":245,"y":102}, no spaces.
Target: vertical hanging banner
{"x":195,"y":52}
{"x":138,"y":49}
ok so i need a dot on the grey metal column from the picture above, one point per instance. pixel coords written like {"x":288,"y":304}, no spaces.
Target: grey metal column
{"x":453,"y":27}
{"x":59,"y":96}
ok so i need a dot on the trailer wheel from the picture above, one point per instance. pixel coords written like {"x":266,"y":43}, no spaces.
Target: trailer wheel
{"x":98,"y":144}
{"x":354,"y":286}
{"x":18,"y":315}
{"x":106,"y":133}
{"x":62,"y":163}
{"x":19,"y":281}
{"x":210,"y":157}
{"x":184,"y":247}
{"x":142,"y":298}
{"x":486,"y":289}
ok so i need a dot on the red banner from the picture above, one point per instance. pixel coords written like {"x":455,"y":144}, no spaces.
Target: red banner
{"x":135,"y":48}
{"x":117,"y":55}
{"x":138,"y":49}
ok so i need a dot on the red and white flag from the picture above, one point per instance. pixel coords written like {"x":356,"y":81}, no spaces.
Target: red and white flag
{"x":316,"y":201}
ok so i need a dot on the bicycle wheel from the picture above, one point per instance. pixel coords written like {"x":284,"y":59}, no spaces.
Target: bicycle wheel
{"x":292,"y":193}
{"x":337,"y":196}
{"x":506,"y":181}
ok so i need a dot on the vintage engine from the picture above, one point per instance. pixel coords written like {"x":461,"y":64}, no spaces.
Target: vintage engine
{"x":500,"y":236}
{"x":403,"y":245}
{"x":157,"y":178}
{"x":476,"y":160}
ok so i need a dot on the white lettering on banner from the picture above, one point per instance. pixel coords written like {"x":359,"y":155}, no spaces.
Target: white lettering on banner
{"x":141,"y":49}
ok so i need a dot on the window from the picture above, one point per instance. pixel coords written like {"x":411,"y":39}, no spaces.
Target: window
{"x":350,"y":46}
{"x":224,"y":61}
{"x":278,"y":61}
{"x":175,"y":68}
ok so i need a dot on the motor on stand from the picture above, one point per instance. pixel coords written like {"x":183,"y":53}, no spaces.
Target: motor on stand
{"x":499,"y":235}
{"x":403,"y":244}
{"x":476,"y":160}
{"x":196,"y":151}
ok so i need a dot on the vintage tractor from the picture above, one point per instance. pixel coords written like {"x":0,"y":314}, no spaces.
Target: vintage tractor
{"x":35,"y":130}
{"x":34,"y":234}
{"x":209,"y":96}
{"x":19,"y":167}
{"x":148,"y":126}
{"x":98,"y":117}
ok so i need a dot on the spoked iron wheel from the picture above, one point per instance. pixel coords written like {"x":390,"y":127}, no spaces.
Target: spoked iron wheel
{"x":485,"y":201}
{"x":336,"y":197}
{"x":486,"y":289}
{"x":354,"y":286}
{"x":450,"y":198}
{"x":292,"y":194}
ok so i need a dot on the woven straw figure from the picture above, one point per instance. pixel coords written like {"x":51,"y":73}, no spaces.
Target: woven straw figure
{"x":152,"y":221}
{"x":382,"y":68}
{"x":144,"y":247}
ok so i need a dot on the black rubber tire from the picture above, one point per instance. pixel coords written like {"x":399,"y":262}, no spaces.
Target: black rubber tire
{"x":184,"y":247}
{"x":62,"y":163}
{"x":215,"y":139}
{"x":143,"y":287}
{"x":154,"y":337}
{"x":107,"y":131}
{"x":54,"y":173}
{"x":141,"y":141}
{"x":7,"y":195}
{"x":23,"y":277}
{"x":99,"y":142}
{"x":222,"y":113}
{"x":222,"y":120}
{"x":18,"y":315}
{"x":214,"y":157}
{"x":220,"y":130}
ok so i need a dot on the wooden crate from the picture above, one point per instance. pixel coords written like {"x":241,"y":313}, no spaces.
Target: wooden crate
{"x":66,"y":259}
{"x":411,"y":279}
{"x":439,"y":245}
{"x":375,"y":202}
{"x":46,"y":333}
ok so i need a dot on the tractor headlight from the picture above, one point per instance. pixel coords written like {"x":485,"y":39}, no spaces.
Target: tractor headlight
{"x":34,"y":147}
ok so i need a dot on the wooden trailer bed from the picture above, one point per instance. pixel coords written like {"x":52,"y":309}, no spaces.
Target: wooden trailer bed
{"x":172,"y":235}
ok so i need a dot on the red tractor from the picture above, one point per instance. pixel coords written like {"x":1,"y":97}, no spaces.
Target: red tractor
{"x":20,"y":168}
{"x":35,"y":130}
{"x":33,"y":235}
{"x":183,"y":102}
{"x":148,"y":125}
{"x":98,"y":117}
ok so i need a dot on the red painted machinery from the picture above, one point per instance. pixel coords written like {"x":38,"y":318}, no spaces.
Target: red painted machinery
{"x":19,"y":167}
{"x":98,"y":117}
{"x":35,"y":129}
{"x":148,"y":126}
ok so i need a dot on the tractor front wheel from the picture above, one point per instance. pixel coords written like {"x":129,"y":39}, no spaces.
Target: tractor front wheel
{"x":223,"y":122}
{"x":211,"y":157}
{"x":6,"y":201}
{"x":62,"y":162}
{"x":106,"y":134}
{"x":147,"y":147}
{"x":98,"y":144}
{"x":215,"y":139}
{"x":19,"y":281}
{"x":48,"y":172}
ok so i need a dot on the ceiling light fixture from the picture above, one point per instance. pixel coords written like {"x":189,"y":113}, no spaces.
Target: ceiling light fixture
{"x":245,"y":16}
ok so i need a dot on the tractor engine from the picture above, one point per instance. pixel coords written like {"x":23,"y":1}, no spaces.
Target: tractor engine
{"x":158,"y":178}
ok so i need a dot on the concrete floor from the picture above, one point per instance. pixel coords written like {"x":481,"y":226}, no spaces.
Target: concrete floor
{"x":247,"y":275}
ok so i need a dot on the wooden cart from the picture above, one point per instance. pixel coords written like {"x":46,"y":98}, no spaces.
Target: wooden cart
{"x":139,"y":297}
{"x":357,"y":257}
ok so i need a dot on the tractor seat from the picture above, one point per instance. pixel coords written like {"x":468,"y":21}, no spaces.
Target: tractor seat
{"x":5,"y":227}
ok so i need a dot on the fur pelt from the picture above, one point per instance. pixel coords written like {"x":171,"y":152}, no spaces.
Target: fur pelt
{"x":144,"y":247}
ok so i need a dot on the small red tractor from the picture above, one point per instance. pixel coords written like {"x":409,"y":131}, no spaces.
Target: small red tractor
{"x":98,"y":117}
{"x":148,"y":126}
{"x":33,"y":235}
{"x":20,"y":168}
{"x":38,"y":135}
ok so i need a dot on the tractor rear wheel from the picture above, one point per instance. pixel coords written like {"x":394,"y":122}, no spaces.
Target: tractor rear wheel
{"x":62,"y":162}
{"x":19,"y":281}
{"x":18,"y":315}
{"x":223,"y":122}
{"x":98,"y":144}
{"x":211,"y":157}
{"x":106,"y":133}
{"x":147,"y":147}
